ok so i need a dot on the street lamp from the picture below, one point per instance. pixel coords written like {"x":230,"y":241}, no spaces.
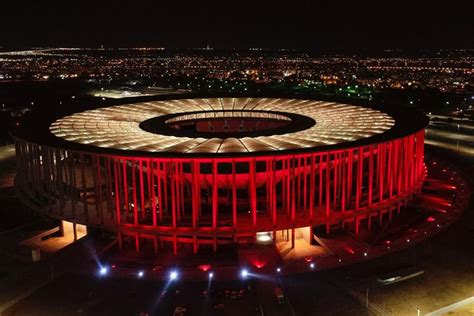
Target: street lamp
{"x":103,"y":271}
{"x":173,"y":275}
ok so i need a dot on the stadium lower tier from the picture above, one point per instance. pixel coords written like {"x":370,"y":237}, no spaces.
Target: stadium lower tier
{"x":213,"y":201}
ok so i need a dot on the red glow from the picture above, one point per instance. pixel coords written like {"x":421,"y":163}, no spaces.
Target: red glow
{"x":350,"y":250}
{"x":308,"y":259}
{"x":259,"y":264}
{"x":430,"y":219}
{"x":204,"y":267}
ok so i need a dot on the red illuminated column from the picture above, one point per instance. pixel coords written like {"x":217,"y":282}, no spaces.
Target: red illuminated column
{"x":173,"y":197}
{"x":195,"y":192}
{"x":268,"y":186}
{"x":409,"y":164}
{"x":396,"y":161}
{"x":400,"y":160}
{"x":253,"y":193}
{"x":422,"y":150}
{"x":343,"y":181}
{"x":135,"y":205}
{"x":177,"y":191}
{"x":305,"y":190}
{"x":214,"y":194}
{"x":199,"y":196}
{"x":173,"y":205}
{"x":151,"y":184}
{"x":311,"y":187}
{"x":182,"y":184}
{"x":328,"y":186}
{"x":350,"y":166}
{"x":117,"y":193}
{"x":274,"y":192}
{"x":134,"y":190}
{"x":335,"y":177}
{"x":149,"y":178}
{"x":234,"y":195}
{"x":417,"y":153}
{"x":125,"y":188}
{"x":284,"y":188}
{"x":371,"y":175}
{"x":421,"y":141}
{"x":320,"y":201}
{"x":298,"y":184}
{"x":381,"y":170}
{"x":360,"y":163}
{"x":288,"y":186}
{"x":357,"y":196}
{"x":412,"y":161}
{"x":142,"y":188}
{"x":406,"y":164}
{"x":293,"y":190}
{"x":160,"y":196}
{"x":386,"y":167}
{"x":194,"y":200}
{"x":164,"y":174}
{"x":390,"y":169}
{"x":341,"y":167}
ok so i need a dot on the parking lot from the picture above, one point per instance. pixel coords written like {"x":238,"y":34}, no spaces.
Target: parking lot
{"x":78,"y":294}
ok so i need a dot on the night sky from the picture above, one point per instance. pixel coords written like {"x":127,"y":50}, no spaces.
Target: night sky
{"x":293,"y":24}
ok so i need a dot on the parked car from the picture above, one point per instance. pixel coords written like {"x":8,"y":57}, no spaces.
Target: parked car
{"x":280,"y":296}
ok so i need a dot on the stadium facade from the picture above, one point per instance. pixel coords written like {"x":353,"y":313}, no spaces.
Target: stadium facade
{"x":212,"y":171}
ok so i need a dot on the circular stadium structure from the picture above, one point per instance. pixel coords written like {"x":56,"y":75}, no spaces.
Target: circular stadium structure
{"x":205,"y":172}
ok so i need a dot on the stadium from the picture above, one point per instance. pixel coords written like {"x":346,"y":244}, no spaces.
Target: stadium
{"x":202,"y":173}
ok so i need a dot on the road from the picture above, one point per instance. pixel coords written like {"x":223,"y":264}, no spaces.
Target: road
{"x":450,"y":308}
{"x":266,"y":294}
